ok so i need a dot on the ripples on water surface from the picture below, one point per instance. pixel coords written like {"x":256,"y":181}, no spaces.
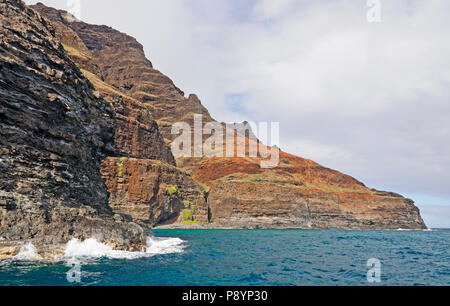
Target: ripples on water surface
{"x":262,"y":257}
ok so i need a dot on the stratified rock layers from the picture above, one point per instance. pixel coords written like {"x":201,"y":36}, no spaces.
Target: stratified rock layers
{"x":142,"y":188}
{"x":140,"y":175}
{"x":297,"y":194}
{"x":54,"y":133}
{"x":233,"y":204}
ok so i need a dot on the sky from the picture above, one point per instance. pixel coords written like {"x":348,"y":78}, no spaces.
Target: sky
{"x":370,"y":99}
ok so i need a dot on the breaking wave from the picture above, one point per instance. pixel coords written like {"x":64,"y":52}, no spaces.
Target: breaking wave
{"x":157,"y":245}
{"x":27,"y":253}
{"x":93,"y":249}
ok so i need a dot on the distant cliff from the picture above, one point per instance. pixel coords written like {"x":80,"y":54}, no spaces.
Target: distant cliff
{"x":84,"y":144}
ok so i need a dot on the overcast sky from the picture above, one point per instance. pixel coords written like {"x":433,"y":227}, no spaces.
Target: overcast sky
{"x":368,"y":99}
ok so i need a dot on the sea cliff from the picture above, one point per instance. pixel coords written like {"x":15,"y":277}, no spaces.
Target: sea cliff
{"x":85,"y":150}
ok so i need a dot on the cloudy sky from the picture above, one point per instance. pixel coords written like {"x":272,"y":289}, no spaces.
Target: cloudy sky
{"x":368,"y":99}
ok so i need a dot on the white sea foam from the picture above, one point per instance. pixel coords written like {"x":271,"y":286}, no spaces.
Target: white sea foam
{"x":27,"y":253}
{"x":92,"y":248}
{"x":159,"y":245}
{"x":415,"y":230}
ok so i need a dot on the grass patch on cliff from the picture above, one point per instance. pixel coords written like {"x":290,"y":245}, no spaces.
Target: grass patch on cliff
{"x":121,"y":162}
{"x":248,"y":178}
{"x":103,"y":87}
{"x":174,"y":190}
{"x":204,"y":188}
{"x":188,"y":213}
{"x":74,"y":52}
{"x":66,"y":47}
{"x":255,"y":178}
{"x":232,"y":177}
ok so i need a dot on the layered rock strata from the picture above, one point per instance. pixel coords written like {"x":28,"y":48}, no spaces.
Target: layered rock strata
{"x":55,"y":131}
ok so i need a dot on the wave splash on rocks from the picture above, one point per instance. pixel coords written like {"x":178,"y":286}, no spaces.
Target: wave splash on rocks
{"x":93,"y":249}
{"x":27,"y":253}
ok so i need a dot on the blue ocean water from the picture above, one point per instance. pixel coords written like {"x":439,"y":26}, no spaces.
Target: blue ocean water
{"x":259,"y":258}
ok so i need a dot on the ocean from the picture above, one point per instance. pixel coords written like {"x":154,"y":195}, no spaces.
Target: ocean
{"x":247,"y":258}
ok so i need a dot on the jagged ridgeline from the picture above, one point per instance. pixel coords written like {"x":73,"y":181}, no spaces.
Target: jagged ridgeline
{"x":84,"y":141}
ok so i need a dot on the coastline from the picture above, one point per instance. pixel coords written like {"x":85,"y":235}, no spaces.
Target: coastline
{"x":228,"y":227}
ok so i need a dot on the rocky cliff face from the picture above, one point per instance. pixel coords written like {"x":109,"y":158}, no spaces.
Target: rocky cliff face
{"x":140,"y":177}
{"x":55,"y":130}
{"x":119,"y":60}
{"x":153,"y":192}
{"x":297,"y":194}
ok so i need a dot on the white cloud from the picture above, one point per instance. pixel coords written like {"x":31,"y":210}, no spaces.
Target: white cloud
{"x":268,"y":9}
{"x":315,"y":151}
{"x":436,"y":216}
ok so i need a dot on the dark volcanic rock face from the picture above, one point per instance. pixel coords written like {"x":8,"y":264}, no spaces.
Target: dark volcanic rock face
{"x":136,"y":132}
{"x":119,"y":60}
{"x":142,"y":188}
{"x":144,"y":168}
{"x":54,"y":133}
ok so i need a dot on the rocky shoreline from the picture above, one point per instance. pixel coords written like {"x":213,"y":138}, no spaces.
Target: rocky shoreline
{"x":265,"y":226}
